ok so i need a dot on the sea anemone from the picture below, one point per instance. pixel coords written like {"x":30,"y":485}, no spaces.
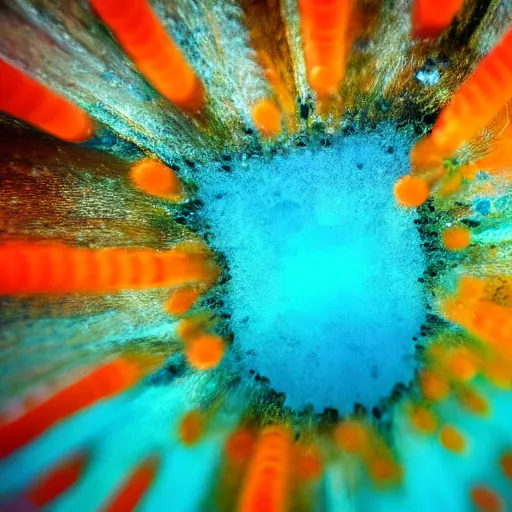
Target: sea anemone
{"x":256,"y":255}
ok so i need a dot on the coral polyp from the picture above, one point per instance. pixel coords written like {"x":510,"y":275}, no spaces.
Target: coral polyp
{"x":256,"y":255}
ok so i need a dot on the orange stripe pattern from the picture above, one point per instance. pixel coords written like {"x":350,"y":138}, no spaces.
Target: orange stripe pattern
{"x":26,"y":99}
{"x":324,"y":33}
{"x":104,"y":382}
{"x":56,"y":268}
{"x":58,"y":480}
{"x":266,"y":485}
{"x":128,"y":497}
{"x":432,"y":17}
{"x":156,"y":56}
{"x":478,"y":100}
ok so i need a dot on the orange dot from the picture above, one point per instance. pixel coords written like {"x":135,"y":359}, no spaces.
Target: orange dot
{"x":181,"y":301}
{"x":205,"y":352}
{"x":506,"y":464}
{"x":411,"y":191}
{"x":191,"y":427}
{"x":384,"y":470}
{"x":424,"y":420}
{"x":461,"y":365}
{"x":324,"y":80}
{"x":433,"y":386}
{"x":351,"y":436}
{"x":474,"y":402}
{"x":156,"y":179}
{"x":456,"y":238}
{"x":267,"y":118}
{"x":499,"y":373}
{"x":239,"y":446}
{"x":485,"y":499}
{"x":452,"y":439}
{"x":308,"y":463}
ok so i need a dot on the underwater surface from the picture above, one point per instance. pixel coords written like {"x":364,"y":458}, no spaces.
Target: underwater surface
{"x":256,"y":255}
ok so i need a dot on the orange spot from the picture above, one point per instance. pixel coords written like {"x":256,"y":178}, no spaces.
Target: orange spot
{"x":308,"y":463}
{"x":506,"y":465}
{"x":433,"y":386}
{"x":181,"y":300}
{"x":384,"y":471}
{"x":129,"y":495}
{"x":143,"y":38}
{"x":486,"y":500}
{"x":156,"y":179}
{"x":423,"y":419}
{"x":352,"y":436}
{"x":499,"y":373}
{"x":431,"y":17}
{"x":191,"y":427}
{"x":474,"y":402}
{"x":239,"y":446}
{"x":205,"y":352}
{"x":461,"y":365}
{"x":58,"y":480}
{"x":103,"y":382}
{"x":456,"y":238}
{"x":484,"y":319}
{"x":39,"y":268}
{"x":411,"y":191}
{"x":452,"y":439}
{"x":26,"y":99}
{"x":284,"y":98}
{"x":267,"y":118}
{"x":267,"y":481}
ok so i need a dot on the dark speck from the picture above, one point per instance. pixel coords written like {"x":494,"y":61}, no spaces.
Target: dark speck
{"x":359,"y":166}
{"x":390,"y":150}
{"x":359,"y":409}
{"x":377,"y":413}
{"x":226,"y":168}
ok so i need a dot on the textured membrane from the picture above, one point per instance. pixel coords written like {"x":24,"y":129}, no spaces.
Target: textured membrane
{"x":324,"y":294}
